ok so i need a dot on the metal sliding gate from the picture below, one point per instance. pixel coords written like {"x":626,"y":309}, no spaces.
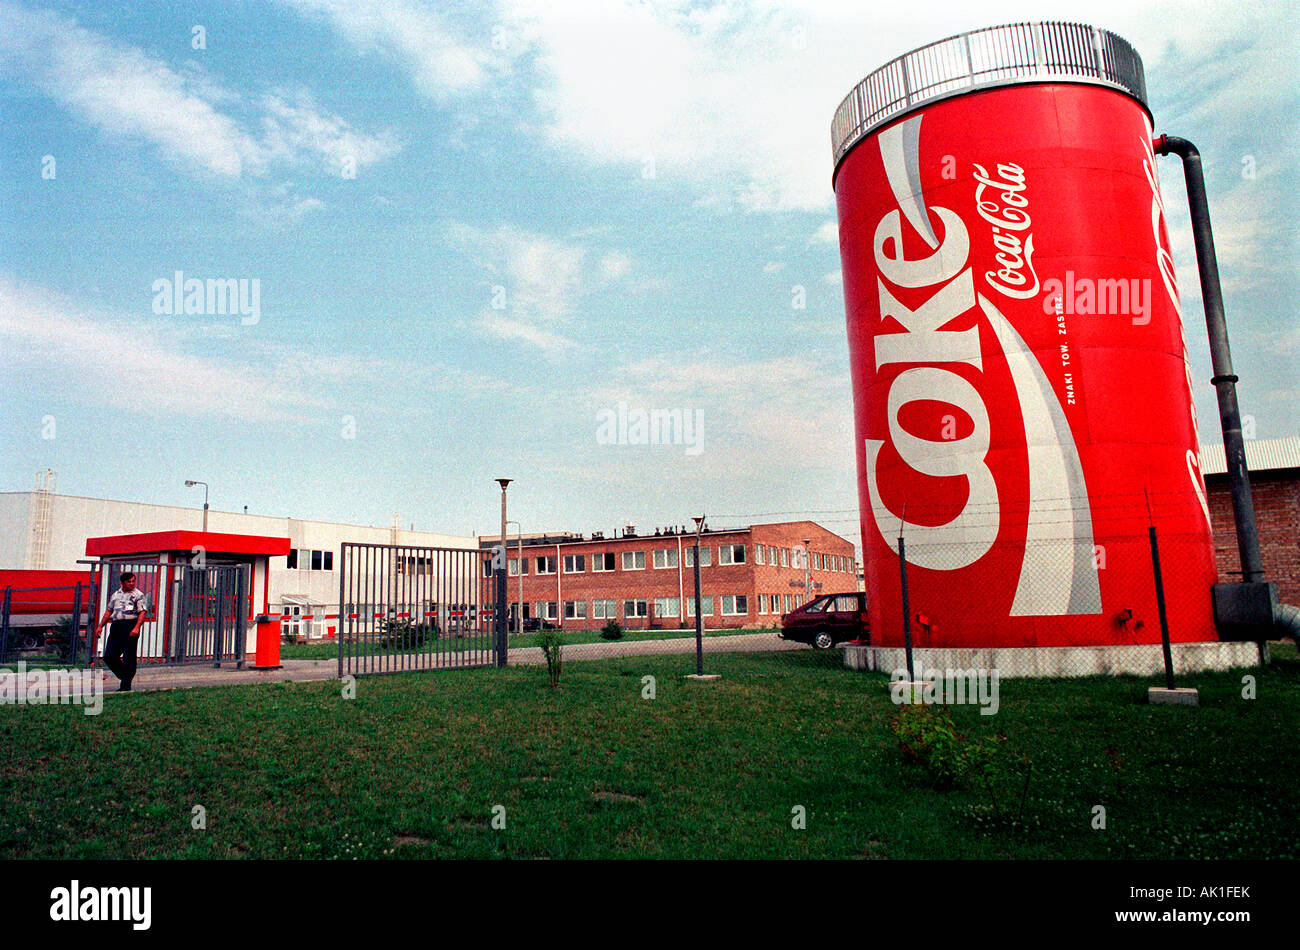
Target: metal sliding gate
{"x":211,"y":615}
{"x":404,"y":608}
{"x":195,"y":614}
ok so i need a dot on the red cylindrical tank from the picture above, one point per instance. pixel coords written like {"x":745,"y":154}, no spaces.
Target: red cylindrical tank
{"x":1023,"y":402}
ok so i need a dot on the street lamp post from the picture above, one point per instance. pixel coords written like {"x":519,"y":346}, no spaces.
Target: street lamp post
{"x":519,"y":554}
{"x":501,"y":580}
{"x":190,"y":483}
{"x":807,"y":567}
{"x":699,"y":614}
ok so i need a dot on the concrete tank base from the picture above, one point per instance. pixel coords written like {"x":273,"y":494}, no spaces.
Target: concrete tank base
{"x":1139,"y":659}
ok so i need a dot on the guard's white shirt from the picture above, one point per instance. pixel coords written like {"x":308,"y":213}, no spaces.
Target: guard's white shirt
{"x":127,"y":606}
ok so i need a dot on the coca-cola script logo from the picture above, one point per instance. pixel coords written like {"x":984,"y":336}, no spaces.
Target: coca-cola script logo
{"x":1011,"y":234}
{"x":1058,"y":574}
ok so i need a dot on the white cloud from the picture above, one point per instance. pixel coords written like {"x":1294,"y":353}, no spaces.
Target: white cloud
{"x":773,"y":267}
{"x":296,"y":129}
{"x":186,"y":115}
{"x":615,"y":265}
{"x":538,"y":281}
{"x":120,"y":90}
{"x":827,"y":233}
{"x":440,"y":62}
{"x":122,"y":362}
{"x":508,"y":328}
{"x":737,"y":98}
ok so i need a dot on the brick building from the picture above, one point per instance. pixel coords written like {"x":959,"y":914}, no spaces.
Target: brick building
{"x":748,"y":576}
{"x":1275,"y":487}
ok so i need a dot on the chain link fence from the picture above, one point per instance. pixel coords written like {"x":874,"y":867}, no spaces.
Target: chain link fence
{"x":1135,"y":604}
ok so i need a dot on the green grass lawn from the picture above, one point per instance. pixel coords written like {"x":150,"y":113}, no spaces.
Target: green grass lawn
{"x":414,"y":766}
{"x":323,"y":651}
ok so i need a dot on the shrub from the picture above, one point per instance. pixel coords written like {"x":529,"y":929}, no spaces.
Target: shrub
{"x":404,"y":634}
{"x":612,"y":631}
{"x":929,"y":740}
{"x":551,"y":642}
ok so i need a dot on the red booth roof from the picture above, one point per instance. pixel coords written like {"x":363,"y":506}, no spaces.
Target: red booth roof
{"x":156,"y":542}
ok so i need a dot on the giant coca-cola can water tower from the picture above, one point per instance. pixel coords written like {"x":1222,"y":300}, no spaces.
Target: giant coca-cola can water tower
{"x":1023,"y":404}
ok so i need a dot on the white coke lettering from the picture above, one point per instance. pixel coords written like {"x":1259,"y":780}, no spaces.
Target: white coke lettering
{"x":923,"y":340}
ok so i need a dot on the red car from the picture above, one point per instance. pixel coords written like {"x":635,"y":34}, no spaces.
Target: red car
{"x":828,"y":621}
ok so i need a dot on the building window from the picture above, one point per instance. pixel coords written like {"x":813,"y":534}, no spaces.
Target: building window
{"x":512,"y":566}
{"x":634,"y":608}
{"x":786,"y":600}
{"x":668,"y":607}
{"x":603,"y":562}
{"x":665,"y":557}
{"x":575,"y":563}
{"x":731,"y":554}
{"x":487,"y":568}
{"x":734,"y":604}
{"x":404,"y":565}
{"x":546,"y":564}
{"x":776,"y":603}
{"x":604,"y":609}
{"x":575,"y":610}
{"x":762,"y":603}
{"x":706,"y":606}
{"x":758,"y":553}
{"x":634,"y":560}
{"x":308,"y":559}
{"x":546,"y":609}
{"x":785,"y":557}
{"x":706,"y":556}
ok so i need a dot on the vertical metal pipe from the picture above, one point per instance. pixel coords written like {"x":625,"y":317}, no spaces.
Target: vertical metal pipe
{"x":1224,"y":380}
{"x":1160,"y":605}
{"x":699,"y":610}
{"x":907,"y":611}
{"x":343,"y":609}
{"x":74,"y":639}
{"x":4,"y":621}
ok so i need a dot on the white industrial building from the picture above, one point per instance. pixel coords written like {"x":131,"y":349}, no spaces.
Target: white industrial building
{"x":42,"y":530}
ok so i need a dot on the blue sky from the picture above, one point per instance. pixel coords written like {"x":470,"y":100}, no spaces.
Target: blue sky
{"x":556,"y":208}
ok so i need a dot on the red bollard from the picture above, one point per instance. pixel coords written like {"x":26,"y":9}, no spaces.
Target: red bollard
{"x":268,"y":643}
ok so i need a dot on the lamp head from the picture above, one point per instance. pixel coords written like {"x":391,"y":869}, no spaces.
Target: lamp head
{"x":503,"y":482}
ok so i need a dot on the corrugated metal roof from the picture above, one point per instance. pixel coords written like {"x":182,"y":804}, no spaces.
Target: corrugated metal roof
{"x":1261,"y":455}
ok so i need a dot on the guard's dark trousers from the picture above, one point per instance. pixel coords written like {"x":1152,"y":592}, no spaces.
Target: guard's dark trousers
{"x":119,"y":651}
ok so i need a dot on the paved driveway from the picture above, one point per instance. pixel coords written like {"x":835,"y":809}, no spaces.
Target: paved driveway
{"x":180,"y":677}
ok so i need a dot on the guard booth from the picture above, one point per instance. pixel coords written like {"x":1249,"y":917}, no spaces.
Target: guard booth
{"x":205,"y":590}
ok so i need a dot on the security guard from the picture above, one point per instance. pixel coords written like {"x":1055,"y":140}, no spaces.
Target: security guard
{"x":126,"y":609}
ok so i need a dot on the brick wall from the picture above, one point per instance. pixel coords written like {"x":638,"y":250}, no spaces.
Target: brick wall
{"x":1277,"y":513}
{"x":787,"y":536}
{"x":747,"y":579}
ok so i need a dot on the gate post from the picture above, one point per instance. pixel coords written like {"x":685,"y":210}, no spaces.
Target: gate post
{"x":503,"y":647}
{"x":4,"y":623}
{"x":74,"y":637}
